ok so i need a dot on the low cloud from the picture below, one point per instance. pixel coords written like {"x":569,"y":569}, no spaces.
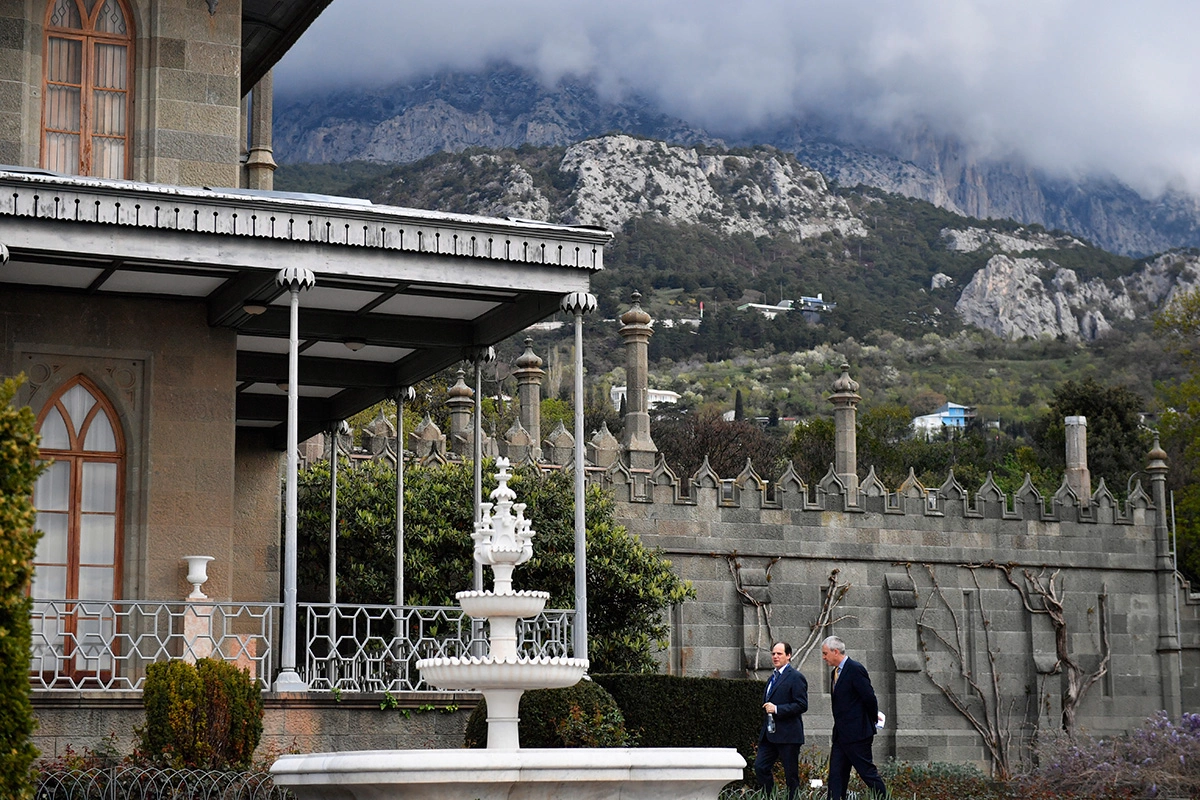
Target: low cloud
{"x":1076,"y":87}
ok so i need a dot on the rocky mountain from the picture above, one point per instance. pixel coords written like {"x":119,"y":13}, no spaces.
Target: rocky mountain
{"x":702,"y":219}
{"x":505,"y":107}
{"x":1018,"y":298}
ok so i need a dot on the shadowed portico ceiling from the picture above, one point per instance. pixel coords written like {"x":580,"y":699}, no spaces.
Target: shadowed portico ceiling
{"x":400,"y":293}
{"x":269,"y":29}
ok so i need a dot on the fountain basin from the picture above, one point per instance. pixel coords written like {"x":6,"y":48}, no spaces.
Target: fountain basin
{"x":538,"y":774}
{"x":482,"y":605}
{"x":516,"y":673}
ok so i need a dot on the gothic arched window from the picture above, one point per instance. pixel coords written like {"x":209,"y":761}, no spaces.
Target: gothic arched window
{"x":86,"y":97}
{"x":80,"y":512}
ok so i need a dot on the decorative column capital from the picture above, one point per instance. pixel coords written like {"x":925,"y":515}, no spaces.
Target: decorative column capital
{"x":483,"y":355}
{"x":296,"y":278}
{"x":845,"y":389}
{"x":405,"y":394}
{"x":1156,"y":463}
{"x":578,"y":303}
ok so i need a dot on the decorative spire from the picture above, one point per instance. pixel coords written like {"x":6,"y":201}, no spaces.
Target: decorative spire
{"x":460,"y":388}
{"x":845,"y":384}
{"x":529,"y":359}
{"x":636,"y":315}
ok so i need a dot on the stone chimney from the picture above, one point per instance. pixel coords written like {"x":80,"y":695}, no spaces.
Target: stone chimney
{"x":845,"y":399}
{"x":636,"y":331}
{"x":460,"y":399}
{"x":529,"y":375}
{"x":260,"y":160}
{"x":1079,"y":478}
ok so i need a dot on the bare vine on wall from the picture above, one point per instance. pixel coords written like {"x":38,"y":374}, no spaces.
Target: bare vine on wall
{"x":760,"y":600}
{"x":835,"y":591}
{"x":1042,"y":593}
{"x":980,"y":700}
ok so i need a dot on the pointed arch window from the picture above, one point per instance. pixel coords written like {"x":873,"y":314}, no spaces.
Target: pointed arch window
{"x":80,"y":512}
{"x":86,"y":81}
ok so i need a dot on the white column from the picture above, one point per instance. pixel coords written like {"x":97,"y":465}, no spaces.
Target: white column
{"x":402,"y":394}
{"x":333,"y":507}
{"x":579,"y":303}
{"x":288,"y":680}
{"x":484,"y":355}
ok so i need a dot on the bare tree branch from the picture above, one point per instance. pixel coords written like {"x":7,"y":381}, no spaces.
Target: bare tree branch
{"x":834,"y":592}
{"x":988,"y":718}
{"x":1049,"y":590}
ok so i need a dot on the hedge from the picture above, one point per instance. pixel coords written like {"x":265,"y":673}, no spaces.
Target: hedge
{"x":670,"y":711}
{"x":583,"y":715}
{"x":19,"y":468}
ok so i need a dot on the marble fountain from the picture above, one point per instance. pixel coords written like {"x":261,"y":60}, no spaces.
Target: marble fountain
{"x":505,"y":771}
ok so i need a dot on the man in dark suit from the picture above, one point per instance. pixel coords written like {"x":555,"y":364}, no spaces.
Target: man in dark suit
{"x":855,"y":714}
{"x":782,"y":733}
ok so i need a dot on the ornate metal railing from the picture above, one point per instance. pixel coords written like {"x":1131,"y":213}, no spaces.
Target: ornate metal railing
{"x":81,"y":644}
{"x":152,"y":783}
{"x":375,"y":648}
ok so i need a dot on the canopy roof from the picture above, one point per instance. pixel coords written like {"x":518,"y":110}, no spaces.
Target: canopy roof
{"x":400,"y":293}
{"x":269,"y":29}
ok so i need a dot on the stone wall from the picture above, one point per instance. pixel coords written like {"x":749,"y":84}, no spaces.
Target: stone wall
{"x":168,"y":375}
{"x":761,"y":560}
{"x":311,"y":723}
{"x":186,"y":110}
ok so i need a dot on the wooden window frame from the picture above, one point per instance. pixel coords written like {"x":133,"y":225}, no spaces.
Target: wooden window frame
{"x":89,"y":37}
{"x":77,"y":456}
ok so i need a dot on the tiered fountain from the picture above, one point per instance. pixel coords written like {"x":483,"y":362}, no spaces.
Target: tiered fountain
{"x":504,"y":771}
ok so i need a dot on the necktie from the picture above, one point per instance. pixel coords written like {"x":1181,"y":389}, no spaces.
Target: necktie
{"x":837,"y":672}
{"x":771,"y":683}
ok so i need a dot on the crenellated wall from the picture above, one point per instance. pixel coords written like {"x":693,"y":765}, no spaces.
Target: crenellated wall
{"x":761,"y":556}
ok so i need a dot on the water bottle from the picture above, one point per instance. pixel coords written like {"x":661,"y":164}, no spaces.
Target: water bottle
{"x":770,"y":723}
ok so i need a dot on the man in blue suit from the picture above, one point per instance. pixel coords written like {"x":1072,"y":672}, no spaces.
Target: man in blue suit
{"x":782,"y":733}
{"x":855,"y":714}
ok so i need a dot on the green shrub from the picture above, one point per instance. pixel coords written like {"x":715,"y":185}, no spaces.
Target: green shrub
{"x":19,"y":468}
{"x":938,"y":781}
{"x":670,"y":711}
{"x":207,"y":715}
{"x":583,"y":715}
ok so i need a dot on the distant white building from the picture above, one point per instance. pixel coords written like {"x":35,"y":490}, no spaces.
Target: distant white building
{"x":654,"y":396}
{"x":810,"y":304}
{"x":950,"y":415}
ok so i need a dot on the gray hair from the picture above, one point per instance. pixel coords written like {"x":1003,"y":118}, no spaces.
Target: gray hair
{"x":835,"y":644}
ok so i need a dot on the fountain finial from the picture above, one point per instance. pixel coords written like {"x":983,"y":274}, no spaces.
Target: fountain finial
{"x":502,"y":534}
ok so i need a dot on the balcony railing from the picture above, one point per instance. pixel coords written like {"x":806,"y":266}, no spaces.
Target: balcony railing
{"x":84,"y":644}
{"x":107,"y":645}
{"x":375,"y":648}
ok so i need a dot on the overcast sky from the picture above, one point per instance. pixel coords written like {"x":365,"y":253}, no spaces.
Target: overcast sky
{"x":1075,"y":86}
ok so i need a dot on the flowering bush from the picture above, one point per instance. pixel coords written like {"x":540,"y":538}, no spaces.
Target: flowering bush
{"x":1159,"y":759}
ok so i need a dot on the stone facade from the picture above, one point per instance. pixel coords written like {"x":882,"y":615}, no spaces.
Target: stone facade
{"x":186,"y":111}
{"x":193,"y":484}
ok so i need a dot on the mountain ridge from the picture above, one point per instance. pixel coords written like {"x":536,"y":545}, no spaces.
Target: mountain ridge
{"x":505,"y":107}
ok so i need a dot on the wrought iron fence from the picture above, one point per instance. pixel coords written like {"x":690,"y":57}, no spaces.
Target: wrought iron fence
{"x":355,"y":648}
{"x":80,"y":644}
{"x":153,"y":783}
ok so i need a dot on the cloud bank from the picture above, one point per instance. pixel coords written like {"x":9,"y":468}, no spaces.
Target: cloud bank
{"x":1075,"y":87}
